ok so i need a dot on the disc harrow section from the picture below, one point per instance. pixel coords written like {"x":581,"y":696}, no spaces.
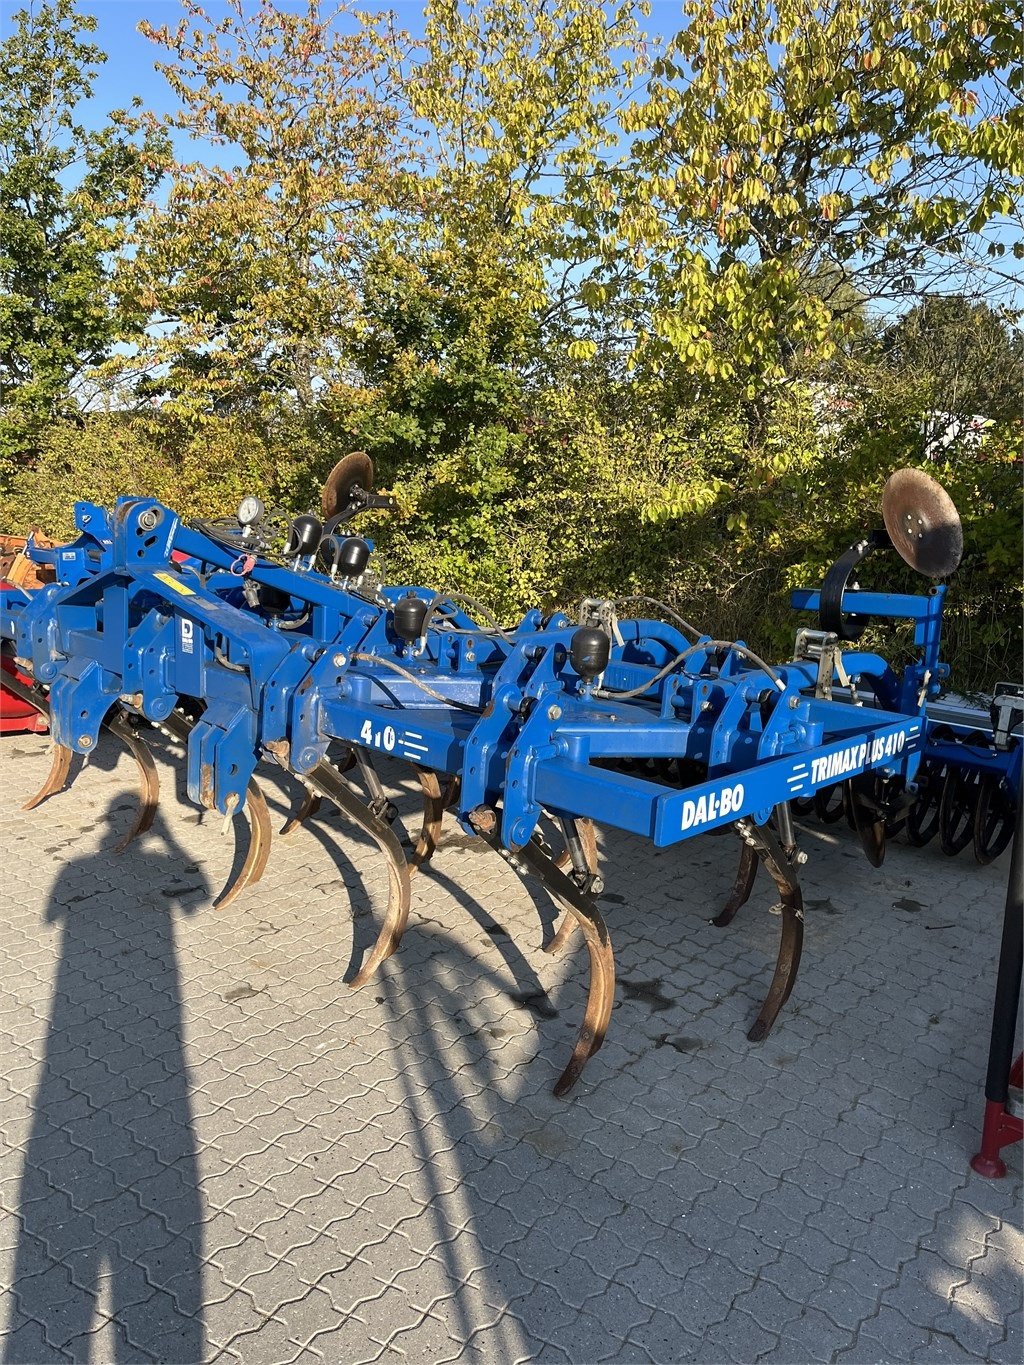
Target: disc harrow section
{"x":252,"y":641}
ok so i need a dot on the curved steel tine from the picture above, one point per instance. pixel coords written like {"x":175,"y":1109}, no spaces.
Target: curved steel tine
{"x":331,"y":784}
{"x":60,"y":761}
{"x":60,"y":767}
{"x":149,"y":781}
{"x":742,"y":887}
{"x":256,"y":855}
{"x":311,"y":803}
{"x":786,"y":968}
{"x":587,"y":831}
{"x":435,"y":802}
{"x":771,"y":853}
{"x":260,"y":832}
{"x":562,"y":935}
{"x":117,"y":724}
{"x":601,"y":993}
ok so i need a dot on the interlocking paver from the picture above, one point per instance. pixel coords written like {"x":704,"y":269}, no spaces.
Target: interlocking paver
{"x":739,"y":1337}
{"x":210,"y":1148}
{"x":888,"y":1337}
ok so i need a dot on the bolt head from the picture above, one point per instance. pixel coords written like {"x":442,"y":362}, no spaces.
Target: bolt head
{"x":84,"y":742}
{"x":339,"y":661}
{"x":554,"y":712}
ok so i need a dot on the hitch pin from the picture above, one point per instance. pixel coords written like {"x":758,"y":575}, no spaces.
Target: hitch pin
{"x":230,"y":805}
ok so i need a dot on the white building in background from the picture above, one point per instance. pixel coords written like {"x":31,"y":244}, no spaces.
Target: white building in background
{"x":944,"y":429}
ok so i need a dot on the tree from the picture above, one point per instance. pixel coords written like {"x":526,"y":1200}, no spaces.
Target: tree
{"x":250,"y":270}
{"x":486,"y":288}
{"x":510,"y":102}
{"x":68,"y":194}
{"x":972,"y":360}
{"x":879,"y":139}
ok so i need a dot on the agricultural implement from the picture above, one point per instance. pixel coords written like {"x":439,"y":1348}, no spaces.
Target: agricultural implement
{"x":251,"y":643}
{"x":967,"y":786}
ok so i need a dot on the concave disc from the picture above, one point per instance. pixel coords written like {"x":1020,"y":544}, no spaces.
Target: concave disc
{"x":922,"y":522}
{"x":354,"y":469}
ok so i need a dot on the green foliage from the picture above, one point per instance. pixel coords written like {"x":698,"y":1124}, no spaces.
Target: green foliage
{"x":67,"y":195}
{"x":719,"y":521}
{"x":105,"y":457}
{"x":778,"y":138}
{"x":251,"y":265}
{"x":444,"y":349}
{"x":973,"y":361}
{"x":601,"y":308}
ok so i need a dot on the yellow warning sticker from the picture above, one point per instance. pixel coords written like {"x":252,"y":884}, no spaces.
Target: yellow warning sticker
{"x":175,"y":583}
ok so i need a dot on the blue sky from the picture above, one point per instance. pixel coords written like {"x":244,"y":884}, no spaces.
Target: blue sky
{"x":129,"y":70}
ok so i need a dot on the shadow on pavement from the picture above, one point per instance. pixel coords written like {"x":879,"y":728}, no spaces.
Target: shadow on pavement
{"x":110,"y":1237}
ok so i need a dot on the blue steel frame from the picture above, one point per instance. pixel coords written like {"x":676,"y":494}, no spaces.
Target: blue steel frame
{"x":963,"y":744}
{"x":125,"y":625}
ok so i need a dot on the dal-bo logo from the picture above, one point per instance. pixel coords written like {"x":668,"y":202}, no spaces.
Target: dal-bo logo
{"x":712,"y":807}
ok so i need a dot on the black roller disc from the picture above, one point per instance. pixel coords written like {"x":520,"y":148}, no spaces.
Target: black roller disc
{"x":848,"y":811}
{"x":957,"y":810}
{"x":923,"y":816}
{"x":803,"y":806}
{"x":865,"y":820}
{"x":354,"y":470}
{"x":923,"y":523}
{"x":828,"y":804}
{"x":994,"y":818}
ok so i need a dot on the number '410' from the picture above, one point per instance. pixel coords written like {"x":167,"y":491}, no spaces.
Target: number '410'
{"x":380,"y":739}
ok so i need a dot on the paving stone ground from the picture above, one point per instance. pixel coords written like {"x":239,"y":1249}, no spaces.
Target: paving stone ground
{"x":213,"y":1149}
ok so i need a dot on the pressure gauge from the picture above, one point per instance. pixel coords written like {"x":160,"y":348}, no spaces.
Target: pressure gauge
{"x":250,"y":511}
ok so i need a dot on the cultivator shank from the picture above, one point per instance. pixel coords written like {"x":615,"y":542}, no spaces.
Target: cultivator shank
{"x":246,"y":646}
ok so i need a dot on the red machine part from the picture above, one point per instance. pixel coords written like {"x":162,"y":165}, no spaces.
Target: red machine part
{"x":16,"y":716}
{"x":1000,"y":1129}
{"x":17,"y":570}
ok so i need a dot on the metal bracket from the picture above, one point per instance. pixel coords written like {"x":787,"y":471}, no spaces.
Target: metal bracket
{"x":1007,"y":713}
{"x":597,"y":611}
{"x":823,"y":647}
{"x":830,"y":607}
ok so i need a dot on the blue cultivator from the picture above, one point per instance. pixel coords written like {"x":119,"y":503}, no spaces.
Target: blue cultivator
{"x":968,"y":784}
{"x":299,"y":654}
